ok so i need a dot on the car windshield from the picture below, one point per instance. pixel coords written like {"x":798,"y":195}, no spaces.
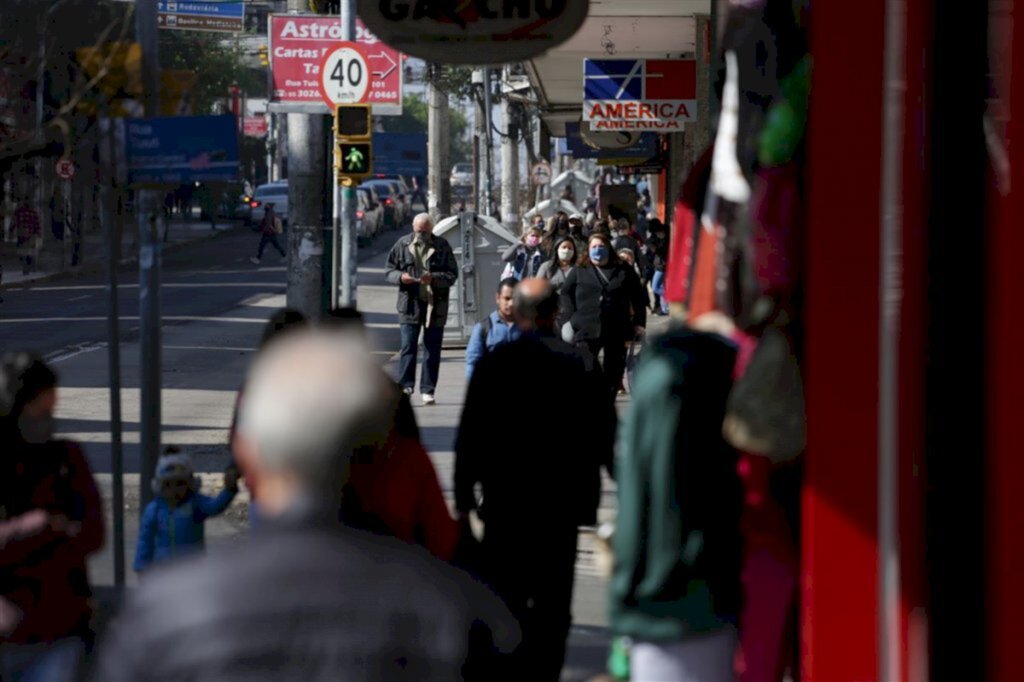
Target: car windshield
{"x":463,"y":168}
{"x":383,"y":188}
{"x":277,"y":191}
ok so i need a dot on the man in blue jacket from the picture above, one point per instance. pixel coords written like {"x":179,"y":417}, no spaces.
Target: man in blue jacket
{"x":496,"y":329}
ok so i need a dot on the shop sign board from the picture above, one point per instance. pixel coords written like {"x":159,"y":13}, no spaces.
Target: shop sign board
{"x":299,"y":44}
{"x":181,"y":149}
{"x":481,"y":32}
{"x":659,"y":95}
{"x":222,"y":16}
{"x":255,"y":126}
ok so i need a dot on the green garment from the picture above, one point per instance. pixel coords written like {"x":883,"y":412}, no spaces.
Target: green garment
{"x":677,"y":546}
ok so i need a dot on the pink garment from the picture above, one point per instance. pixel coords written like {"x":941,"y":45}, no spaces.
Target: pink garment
{"x":777,"y":212}
{"x":770,"y":564}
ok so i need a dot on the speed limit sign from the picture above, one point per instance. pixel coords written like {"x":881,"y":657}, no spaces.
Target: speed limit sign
{"x":344,"y":75}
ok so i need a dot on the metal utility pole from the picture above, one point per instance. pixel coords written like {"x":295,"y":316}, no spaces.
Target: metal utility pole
{"x":344,"y":254}
{"x":478,"y":135}
{"x":149,"y":219}
{"x":509,"y":165}
{"x":489,"y":142}
{"x":544,"y":152}
{"x":112,"y":236}
{"x":306,"y":146}
{"x":438,"y":143}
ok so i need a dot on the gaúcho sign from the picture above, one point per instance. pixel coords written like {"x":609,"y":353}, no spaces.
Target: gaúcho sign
{"x":299,"y":46}
{"x":639,"y":94}
{"x":474,"y":31}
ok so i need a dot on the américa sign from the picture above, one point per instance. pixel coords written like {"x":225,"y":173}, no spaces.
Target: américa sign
{"x":639,"y":94}
{"x":473,"y":31}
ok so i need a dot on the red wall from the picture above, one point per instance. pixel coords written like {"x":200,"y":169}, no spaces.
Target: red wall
{"x":1005,"y":384}
{"x":839,"y":584}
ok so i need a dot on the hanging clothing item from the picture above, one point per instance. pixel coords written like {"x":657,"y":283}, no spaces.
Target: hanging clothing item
{"x":679,"y":269}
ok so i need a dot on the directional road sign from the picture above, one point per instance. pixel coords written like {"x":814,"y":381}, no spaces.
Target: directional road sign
{"x":298,"y":45}
{"x":214,"y":15}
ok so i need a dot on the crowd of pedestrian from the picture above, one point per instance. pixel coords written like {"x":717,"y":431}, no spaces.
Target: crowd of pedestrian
{"x":355,"y":567}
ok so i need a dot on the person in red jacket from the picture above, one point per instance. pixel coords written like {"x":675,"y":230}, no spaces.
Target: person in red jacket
{"x":51,"y":519}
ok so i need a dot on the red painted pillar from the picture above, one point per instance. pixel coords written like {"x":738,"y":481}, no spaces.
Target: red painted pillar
{"x":1005,"y":370}
{"x":839,"y":590}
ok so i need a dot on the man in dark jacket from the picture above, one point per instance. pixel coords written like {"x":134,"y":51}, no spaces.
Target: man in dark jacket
{"x":424,"y":268}
{"x":536,"y":490}
{"x":303,"y":598}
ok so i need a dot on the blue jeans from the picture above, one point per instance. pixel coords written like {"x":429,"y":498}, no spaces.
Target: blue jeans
{"x":658,"y":287}
{"x":432,"y":337}
{"x":46,"y":662}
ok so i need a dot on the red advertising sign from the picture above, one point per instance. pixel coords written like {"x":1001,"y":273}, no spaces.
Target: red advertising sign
{"x":254,"y":126}
{"x":299,"y":44}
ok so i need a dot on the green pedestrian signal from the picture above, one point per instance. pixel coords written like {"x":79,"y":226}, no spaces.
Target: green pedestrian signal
{"x":355,"y":158}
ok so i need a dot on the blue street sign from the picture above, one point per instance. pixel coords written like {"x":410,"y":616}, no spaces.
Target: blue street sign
{"x":215,"y":15}
{"x":181,"y":149}
{"x":217,"y":8}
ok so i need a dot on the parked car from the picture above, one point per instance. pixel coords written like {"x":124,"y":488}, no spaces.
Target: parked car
{"x":369,"y":214}
{"x":387,"y":210}
{"x":274,"y":192}
{"x":388,"y":194}
{"x":462,"y":175}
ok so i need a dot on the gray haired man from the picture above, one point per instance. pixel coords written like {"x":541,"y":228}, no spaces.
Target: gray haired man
{"x":424,"y":268}
{"x":304,"y":598}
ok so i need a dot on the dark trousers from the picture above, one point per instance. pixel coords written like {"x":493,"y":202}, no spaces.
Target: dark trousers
{"x":534,"y":577}
{"x":432,"y":337}
{"x":269,"y":239}
{"x":614,"y":364}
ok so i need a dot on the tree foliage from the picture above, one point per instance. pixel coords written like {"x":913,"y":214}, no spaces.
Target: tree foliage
{"x":414,"y":120}
{"x":217,"y":64}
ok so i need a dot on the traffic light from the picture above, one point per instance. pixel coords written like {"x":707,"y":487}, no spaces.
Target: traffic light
{"x":352,"y":122}
{"x":353,"y":140}
{"x":264,"y":54}
{"x":355,"y":158}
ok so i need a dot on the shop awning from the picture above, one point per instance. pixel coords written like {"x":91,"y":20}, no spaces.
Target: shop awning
{"x":613,"y":29}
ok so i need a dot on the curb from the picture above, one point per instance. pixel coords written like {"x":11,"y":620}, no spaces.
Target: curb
{"x":99,"y":267}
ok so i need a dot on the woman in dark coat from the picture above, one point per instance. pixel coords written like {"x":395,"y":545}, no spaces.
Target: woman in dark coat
{"x":603,"y":302}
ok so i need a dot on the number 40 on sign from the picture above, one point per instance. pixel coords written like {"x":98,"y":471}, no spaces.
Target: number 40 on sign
{"x":344,"y":75}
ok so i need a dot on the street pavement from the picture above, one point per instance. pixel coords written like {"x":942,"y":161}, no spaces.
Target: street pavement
{"x":214,"y":304}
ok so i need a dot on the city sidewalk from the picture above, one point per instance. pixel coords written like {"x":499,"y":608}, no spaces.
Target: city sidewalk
{"x":201,"y":396}
{"x":93,"y":254}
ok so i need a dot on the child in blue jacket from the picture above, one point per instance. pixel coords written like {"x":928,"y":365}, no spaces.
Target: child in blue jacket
{"x":172,"y":525}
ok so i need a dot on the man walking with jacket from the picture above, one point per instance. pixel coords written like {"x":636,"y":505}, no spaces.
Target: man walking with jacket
{"x":537,"y":491}
{"x":424,"y":268}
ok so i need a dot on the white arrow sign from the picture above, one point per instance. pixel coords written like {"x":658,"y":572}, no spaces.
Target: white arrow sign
{"x":391,"y":65}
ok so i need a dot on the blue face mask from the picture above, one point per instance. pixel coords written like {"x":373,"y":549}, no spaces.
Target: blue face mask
{"x":598,"y":254}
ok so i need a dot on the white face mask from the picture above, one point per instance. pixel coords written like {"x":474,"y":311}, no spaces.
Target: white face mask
{"x":566,"y":254}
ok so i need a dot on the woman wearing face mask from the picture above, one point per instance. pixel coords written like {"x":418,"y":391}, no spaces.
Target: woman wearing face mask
{"x":603,"y":301}
{"x":523,"y":260}
{"x":51,"y":519}
{"x":561,"y":264}
{"x":558,"y":227}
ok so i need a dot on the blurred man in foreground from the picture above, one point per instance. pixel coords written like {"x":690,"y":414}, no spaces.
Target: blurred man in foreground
{"x":306,"y":599}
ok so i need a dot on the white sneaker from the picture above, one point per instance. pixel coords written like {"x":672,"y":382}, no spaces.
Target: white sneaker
{"x":254,"y":260}
{"x":407,"y":390}
{"x":428,"y":399}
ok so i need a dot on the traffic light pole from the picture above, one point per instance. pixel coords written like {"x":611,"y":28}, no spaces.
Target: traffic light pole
{"x":346,"y":259}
